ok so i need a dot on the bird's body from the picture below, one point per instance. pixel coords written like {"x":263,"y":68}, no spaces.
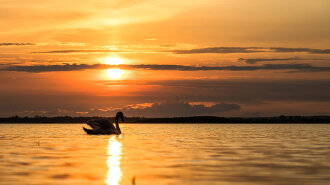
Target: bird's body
{"x":104,"y":126}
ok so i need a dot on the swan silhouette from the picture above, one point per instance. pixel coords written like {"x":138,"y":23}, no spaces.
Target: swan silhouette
{"x":104,"y":126}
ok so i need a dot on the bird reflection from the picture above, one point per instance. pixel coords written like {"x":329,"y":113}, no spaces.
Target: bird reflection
{"x":114,"y":156}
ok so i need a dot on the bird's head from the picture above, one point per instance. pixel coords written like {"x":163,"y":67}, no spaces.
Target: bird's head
{"x":119,"y":115}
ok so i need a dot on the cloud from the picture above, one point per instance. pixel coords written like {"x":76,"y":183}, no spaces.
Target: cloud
{"x":251,"y":50}
{"x":221,"y":50}
{"x":49,"y":68}
{"x":60,"y":104}
{"x":16,"y":44}
{"x":168,"y":109}
{"x":244,"y":92}
{"x":180,"y":108}
{"x":80,"y":51}
{"x":257,"y":60}
{"x":8,"y":63}
{"x":248,"y":90}
{"x":306,"y":50}
{"x":78,"y":67}
{"x":224,"y":50}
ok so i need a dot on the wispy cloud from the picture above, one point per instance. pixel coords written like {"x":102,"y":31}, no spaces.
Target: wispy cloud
{"x":49,"y":68}
{"x":221,"y":50}
{"x":78,"y":67}
{"x":80,"y":51}
{"x":251,"y":50}
{"x":257,"y":60}
{"x":15,"y":44}
{"x":306,"y":50}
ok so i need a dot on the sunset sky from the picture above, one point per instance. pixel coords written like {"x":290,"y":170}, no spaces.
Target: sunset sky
{"x":158,"y":58}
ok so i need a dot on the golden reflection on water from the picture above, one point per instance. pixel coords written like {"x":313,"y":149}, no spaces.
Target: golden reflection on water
{"x":114,"y":156}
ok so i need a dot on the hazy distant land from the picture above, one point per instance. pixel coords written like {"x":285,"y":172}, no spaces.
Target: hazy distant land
{"x":195,"y":119}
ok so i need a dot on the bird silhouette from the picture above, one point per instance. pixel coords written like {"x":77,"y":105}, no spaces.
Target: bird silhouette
{"x":104,"y":126}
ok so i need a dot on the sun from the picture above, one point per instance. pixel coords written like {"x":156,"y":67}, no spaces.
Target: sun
{"x":115,"y":74}
{"x":113,"y":61}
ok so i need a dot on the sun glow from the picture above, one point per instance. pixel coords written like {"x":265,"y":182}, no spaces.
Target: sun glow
{"x":113,"y":61}
{"x":115,"y":74}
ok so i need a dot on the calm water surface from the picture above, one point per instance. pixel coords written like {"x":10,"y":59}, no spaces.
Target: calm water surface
{"x":165,"y":154}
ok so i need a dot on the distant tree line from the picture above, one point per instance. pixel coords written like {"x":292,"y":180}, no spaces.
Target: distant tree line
{"x":213,"y":119}
{"x":195,"y":119}
{"x":58,"y":119}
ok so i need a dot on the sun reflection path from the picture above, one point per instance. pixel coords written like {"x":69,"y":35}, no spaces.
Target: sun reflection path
{"x":114,"y":156}
{"x":115,"y":74}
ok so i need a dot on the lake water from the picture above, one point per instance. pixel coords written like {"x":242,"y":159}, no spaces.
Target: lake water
{"x":162,"y":154}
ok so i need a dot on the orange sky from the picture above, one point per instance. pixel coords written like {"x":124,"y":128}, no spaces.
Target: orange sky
{"x":178,"y":58}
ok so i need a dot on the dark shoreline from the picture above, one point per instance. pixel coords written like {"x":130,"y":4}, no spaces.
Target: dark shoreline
{"x":183,"y":120}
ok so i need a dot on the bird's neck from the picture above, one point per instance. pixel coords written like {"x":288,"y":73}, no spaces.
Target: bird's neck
{"x":117,"y":127}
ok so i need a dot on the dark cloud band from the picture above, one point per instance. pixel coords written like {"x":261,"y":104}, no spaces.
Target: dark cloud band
{"x":306,"y":50}
{"x":257,"y":60}
{"x":78,"y":67}
{"x":15,"y":44}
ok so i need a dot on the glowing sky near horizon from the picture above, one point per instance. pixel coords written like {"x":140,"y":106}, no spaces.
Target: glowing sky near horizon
{"x":160,"y":58}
